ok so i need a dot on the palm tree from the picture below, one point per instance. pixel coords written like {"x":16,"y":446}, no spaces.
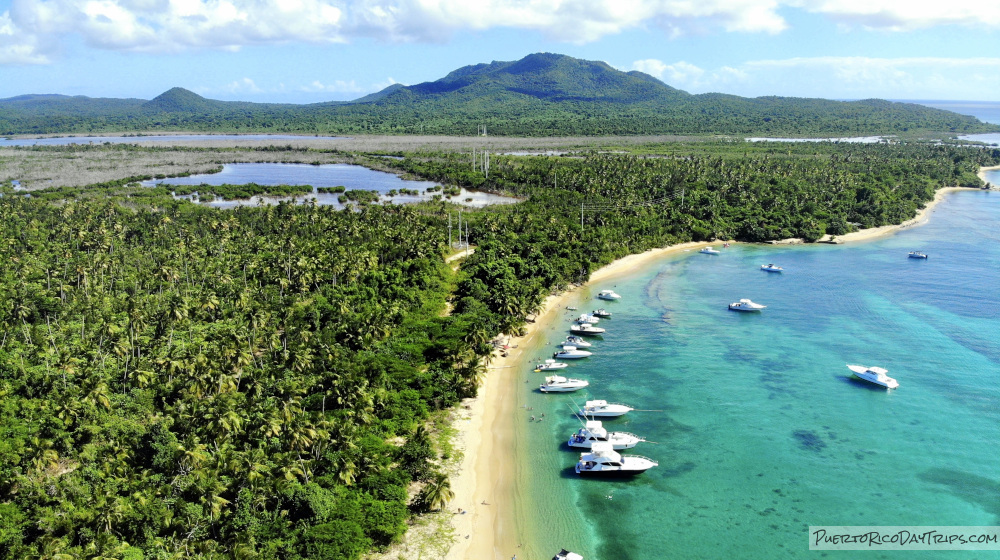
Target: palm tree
{"x":438,"y":492}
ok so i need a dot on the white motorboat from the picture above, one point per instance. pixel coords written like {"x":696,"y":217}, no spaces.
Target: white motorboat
{"x":917,"y":255}
{"x":608,"y":295}
{"x":586,"y":329}
{"x":585,"y":318}
{"x":567,"y":555}
{"x":604,"y":461}
{"x":594,"y":431}
{"x":746,"y":305}
{"x":602,"y":313}
{"x":571,"y":353}
{"x":771,"y":268}
{"x":603,"y":409}
{"x":560,"y":384}
{"x":550,"y":365}
{"x":710,"y":251}
{"x":577,"y":341}
{"x":874,"y":374}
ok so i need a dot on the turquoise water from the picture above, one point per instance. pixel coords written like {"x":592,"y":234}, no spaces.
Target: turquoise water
{"x":762,"y":432}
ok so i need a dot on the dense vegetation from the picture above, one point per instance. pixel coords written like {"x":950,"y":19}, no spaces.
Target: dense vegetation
{"x":185,"y":381}
{"x":177,"y":380}
{"x":539,"y":95}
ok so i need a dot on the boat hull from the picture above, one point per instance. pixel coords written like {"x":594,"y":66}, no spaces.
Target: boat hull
{"x":610,"y":473}
{"x":548,"y":389}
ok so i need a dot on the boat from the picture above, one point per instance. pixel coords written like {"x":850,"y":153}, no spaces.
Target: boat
{"x":550,"y":365}
{"x":608,"y":295}
{"x":771,"y":268}
{"x":602,"y":313}
{"x":571,"y":353}
{"x":603,"y":409}
{"x":560,"y":384}
{"x":594,"y":431}
{"x":710,"y":251}
{"x":585,"y":318}
{"x":571,"y":307}
{"x":576,"y":341}
{"x":567,"y":555}
{"x":586,"y":329}
{"x":873,"y":374}
{"x":917,"y":255}
{"x":604,"y":461}
{"x":746,"y":305}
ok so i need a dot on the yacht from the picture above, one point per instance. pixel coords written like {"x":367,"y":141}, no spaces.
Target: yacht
{"x":585,"y":318}
{"x":873,"y":374}
{"x":710,"y":251}
{"x":602,"y":460}
{"x":608,"y":294}
{"x":917,"y":255}
{"x":594,"y":431}
{"x":560,"y":384}
{"x":586,"y":328}
{"x":567,"y":555}
{"x":746,"y":305}
{"x":602,"y":313}
{"x":576,"y":341}
{"x":571,"y":353}
{"x":603,"y":409}
{"x":550,"y":365}
{"x":771,"y":268}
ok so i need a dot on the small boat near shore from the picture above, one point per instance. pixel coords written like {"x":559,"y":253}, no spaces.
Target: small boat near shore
{"x":771,"y":268}
{"x":602,"y":460}
{"x":710,"y":251}
{"x":608,"y":295}
{"x":603,"y":409}
{"x":571,"y":353}
{"x":746,"y":305}
{"x":560,"y":384}
{"x":550,"y":365}
{"x":874,"y":374}
{"x":602,"y":313}
{"x":917,"y":255}
{"x":586,"y":329}
{"x":594,"y":431}
{"x":586,"y":318}
{"x":567,"y":555}
{"x":576,"y":341}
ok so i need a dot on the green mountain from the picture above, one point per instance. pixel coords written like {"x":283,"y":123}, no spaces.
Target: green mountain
{"x":542,"y":94}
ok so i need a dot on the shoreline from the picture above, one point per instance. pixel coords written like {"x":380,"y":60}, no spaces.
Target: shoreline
{"x":487,"y":433}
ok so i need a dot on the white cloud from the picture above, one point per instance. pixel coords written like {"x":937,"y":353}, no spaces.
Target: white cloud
{"x":337,"y":86}
{"x":32,"y":31}
{"x":245,"y":85}
{"x":897,"y":15}
{"x":840,"y":77}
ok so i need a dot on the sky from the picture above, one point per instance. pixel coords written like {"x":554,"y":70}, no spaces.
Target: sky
{"x":307,"y":51}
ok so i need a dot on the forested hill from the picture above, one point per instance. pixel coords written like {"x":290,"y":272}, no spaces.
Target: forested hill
{"x":540,"y":95}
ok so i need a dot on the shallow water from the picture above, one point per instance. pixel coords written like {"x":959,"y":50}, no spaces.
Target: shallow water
{"x":327,"y":175}
{"x":762,"y":431}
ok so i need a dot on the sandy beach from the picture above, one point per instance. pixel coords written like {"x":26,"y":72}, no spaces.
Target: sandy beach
{"x":483,"y":484}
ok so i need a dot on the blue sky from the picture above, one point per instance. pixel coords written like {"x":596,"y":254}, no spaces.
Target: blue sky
{"x":304,"y":51}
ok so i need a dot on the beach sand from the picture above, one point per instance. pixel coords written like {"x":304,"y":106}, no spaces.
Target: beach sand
{"x":487,"y":471}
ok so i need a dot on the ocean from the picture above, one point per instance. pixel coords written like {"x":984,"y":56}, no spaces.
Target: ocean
{"x":759,"y":430}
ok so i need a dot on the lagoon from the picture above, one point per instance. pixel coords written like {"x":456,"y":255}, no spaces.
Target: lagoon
{"x":326,"y":175}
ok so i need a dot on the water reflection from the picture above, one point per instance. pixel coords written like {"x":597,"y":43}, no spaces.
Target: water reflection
{"x":328,"y":175}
